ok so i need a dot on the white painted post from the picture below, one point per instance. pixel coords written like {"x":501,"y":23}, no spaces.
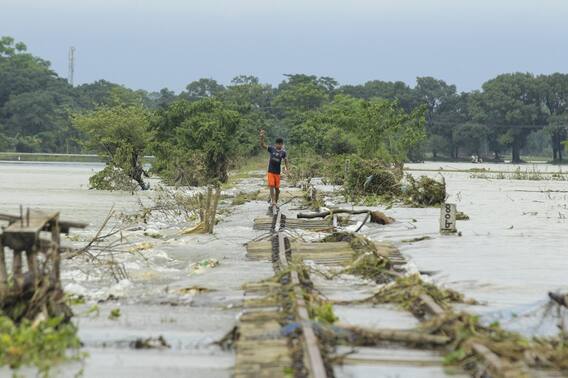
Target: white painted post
{"x":448,"y":218}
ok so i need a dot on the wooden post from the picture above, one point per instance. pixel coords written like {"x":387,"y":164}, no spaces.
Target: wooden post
{"x":207,"y":206}
{"x":31,"y":256}
{"x":56,"y":239}
{"x":17,"y":271}
{"x":214,"y":211}
{"x":3,"y":273}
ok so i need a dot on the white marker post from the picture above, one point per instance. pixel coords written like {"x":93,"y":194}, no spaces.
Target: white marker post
{"x":448,"y":218}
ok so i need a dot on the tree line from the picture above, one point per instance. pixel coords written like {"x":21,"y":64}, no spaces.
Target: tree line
{"x":516,"y":114}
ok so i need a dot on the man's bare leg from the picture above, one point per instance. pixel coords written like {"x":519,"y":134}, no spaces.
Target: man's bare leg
{"x":273,"y":195}
{"x":276,"y":195}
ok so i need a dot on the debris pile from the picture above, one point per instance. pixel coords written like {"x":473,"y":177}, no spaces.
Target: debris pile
{"x":424,"y":192}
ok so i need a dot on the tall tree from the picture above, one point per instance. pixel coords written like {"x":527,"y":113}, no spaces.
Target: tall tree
{"x":120,"y":135}
{"x":443,"y":108}
{"x":301,"y":93}
{"x":555,"y":99}
{"x":202,"y":88}
{"x":511,"y":103}
{"x":194,"y":142}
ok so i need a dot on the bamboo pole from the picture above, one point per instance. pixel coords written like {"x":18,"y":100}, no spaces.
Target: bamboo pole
{"x":214,"y":211}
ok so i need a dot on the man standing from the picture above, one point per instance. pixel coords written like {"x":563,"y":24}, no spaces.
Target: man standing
{"x":277,"y":154}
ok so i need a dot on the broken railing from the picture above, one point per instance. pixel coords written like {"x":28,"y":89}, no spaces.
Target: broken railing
{"x":33,"y":239}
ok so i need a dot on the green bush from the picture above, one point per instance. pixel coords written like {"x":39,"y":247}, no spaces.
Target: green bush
{"x":194,"y":142}
{"x":42,"y":345}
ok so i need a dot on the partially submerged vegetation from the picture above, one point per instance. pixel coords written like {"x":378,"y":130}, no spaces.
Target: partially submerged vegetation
{"x":41,"y":343}
{"x":244,"y":197}
{"x":119,"y":134}
{"x":406,"y":292}
{"x":367,"y":262}
{"x":532,"y":174}
{"x":366,"y":181}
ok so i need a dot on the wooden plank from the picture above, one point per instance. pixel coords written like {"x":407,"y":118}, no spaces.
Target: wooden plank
{"x":3,"y":272}
{"x":65,"y":224}
{"x":265,"y":223}
{"x":36,"y":223}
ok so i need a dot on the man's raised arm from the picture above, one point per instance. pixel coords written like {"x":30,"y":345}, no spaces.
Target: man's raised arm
{"x":262,"y":142}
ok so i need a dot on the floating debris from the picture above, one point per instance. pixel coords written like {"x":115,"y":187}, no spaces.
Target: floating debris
{"x":202,"y":266}
{"x":114,"y":314}
{"x":150,"y":343}
{"x":424,"y":192}
{"x":141,"y":247}
{"x":461,"y":216}
{"x":417,"y":239}
{"x":193,"y":290}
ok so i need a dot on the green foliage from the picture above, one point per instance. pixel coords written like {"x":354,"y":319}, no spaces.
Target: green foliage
{"x":195,"y":142}
{"x":470,"y":137}
{"x":242,"y":198}
{"x":371,"y":177}
{"x":424,"y":192}
{"x":372,"y":267}
{"x":323,"y":313}
{"x":114,"y":314}
{"x":41,"y":345}
{"x":301,"y":93}
{"x":378,"y":129}
{"x":406,"y":292}
{"x":390,"y":121}
{"x":120,"y":135}
{"x":202,"y":88}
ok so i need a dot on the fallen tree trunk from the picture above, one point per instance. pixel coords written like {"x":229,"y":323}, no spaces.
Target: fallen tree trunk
{"x":323,"y":214}
{"x":561,"y":299}
{"x":376,"y":216}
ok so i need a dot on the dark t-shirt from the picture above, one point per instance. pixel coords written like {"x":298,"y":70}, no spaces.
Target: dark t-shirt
{"x":276,"y":158}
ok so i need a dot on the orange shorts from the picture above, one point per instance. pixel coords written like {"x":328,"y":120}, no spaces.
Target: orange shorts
{"x":273,"y":180}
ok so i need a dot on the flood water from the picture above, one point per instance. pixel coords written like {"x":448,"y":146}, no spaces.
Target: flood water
{"x":510,"y":254}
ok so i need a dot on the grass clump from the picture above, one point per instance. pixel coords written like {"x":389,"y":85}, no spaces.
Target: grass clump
{"x":323,"y":312}
{"x":516,"y":350}
{"x":114,"y":314}
{"x":112,"y":178}
{"x":358,"y":243}
{"x":518,"y":174}
{"x":42,"y":344}
{"x":367,"y":263}
{"x":406,"y":292}
{"x":372,"y":267}
{"x":461,"y":216}
{"x":241,"y":198}
{"x":424,"y":192}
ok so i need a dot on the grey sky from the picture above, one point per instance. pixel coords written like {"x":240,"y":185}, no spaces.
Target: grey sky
{"x":151,"y":44}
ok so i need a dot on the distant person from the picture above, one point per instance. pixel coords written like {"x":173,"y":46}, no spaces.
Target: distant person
{"x":277,"y":154}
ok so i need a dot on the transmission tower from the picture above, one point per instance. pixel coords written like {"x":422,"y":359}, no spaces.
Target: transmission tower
{"x":71,"y":68}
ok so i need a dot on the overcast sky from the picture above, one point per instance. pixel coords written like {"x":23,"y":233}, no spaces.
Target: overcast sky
{"x":151,"y":44}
